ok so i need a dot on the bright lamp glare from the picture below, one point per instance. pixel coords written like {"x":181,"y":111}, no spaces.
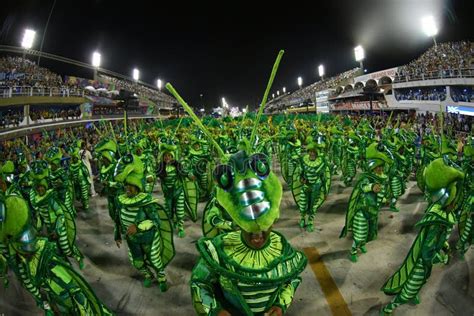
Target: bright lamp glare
{"x":28,"y":38}
{"x":159,"y":84}
{"x":321,"y":70}
{"x":359,"y":53}
{"x":429,"y":26}
{"x":136,"y":74}
{"x":300,"y":81}
{"x":284,"y":89}
{"x":278,"y":92}
{"x":96,"y":59}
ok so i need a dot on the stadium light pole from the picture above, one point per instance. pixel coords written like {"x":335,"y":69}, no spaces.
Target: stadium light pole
{"x":27,"y":41}
{"x":321,"y":71}
{"x":96,"y":59}
{"x":284,"y":90}
{"x":359,"y":55}
{"x":300,"y":82}
{"x":429,"y":27}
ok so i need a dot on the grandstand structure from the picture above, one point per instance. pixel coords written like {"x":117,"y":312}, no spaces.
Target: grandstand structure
{"x":441,"y":78}
{"x":32,"y":96}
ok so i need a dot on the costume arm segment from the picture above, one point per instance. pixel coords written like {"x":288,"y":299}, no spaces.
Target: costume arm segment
{"x":202,"y":290}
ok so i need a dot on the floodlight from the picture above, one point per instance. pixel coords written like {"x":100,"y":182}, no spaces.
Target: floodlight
{"x":96,"y":58}
{"x":428,"y":25}
{"x":321,"y":71}
{"x":136,"y":74}
{"x":28,"y":38}
{"x":359,"y":53}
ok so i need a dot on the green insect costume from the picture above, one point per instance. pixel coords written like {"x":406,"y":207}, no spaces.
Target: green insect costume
{"x":181,"y":194}
{"x":54,"y":285}
{"x":233,"y":273}
{"x":59,"y":179}
{"x":79,"y":177}
{"x":23,"y":179}
{"x":466,"y":217}
{"x":106,"y":150}
{"x":290,"y":154}
{"x":144,"y":223}
{"x":397,"y":170}
{"x":350,"y":156}
{"x":444,"y":184}
{"x":430,"y":151}
{"x":336,"y":148}
{"x":54,"y":217}
{"x":366,"y":200}
{"x":215,"y":220}
{"x":200,"y":163}
{"x":144,"y":152}
{"x":311,"y":183}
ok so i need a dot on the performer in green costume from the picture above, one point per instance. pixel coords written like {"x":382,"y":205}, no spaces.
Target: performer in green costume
{"x":54,"y":285}
{"x":106,"y":150}
{"x":143,"y":222}
{"x":444,"y":185}
{"x":55,"y":218}
{"x":311,"y":183}
{"x":350,"y":157}
{"x":200,"y":164}
{"x":180,"y":193}
{"x":366,"y":200}
{"x":144,"y":152}
{"x":79,"y":177}
{"x":59,"y":179}
{"x":252,"y":271}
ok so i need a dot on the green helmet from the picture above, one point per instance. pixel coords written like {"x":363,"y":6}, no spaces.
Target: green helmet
{"x":130,"y":170}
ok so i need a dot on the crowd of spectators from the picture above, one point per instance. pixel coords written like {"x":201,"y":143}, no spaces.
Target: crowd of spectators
{"x":308,"y":92}
{"x":17,"y":71}
{"x":461,"y":124}
{"x":114,"y":110}
{"x":421,"y":94}
{"x":141,"y":90}
{"x":21,"y":74}
{"x":462,"y":94}
{"x":442,"y":60}
{"x":10,"y":118}
{"x":55,"y":114}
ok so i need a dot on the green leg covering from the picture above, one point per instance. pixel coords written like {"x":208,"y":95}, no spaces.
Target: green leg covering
{"x":155,"y":258}
{"x":63,"y":241}
{"x":139,"y":264}
{"x":466,"y":237}
{"x":179,"y":207}
{"x":410,"y":289}
{"x":360,"y":230}
{"x":85,"y":189}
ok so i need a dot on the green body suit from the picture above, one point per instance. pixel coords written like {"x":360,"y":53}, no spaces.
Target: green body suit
{"x":58,"y":222}
{"x":251,"y":281}
{"x":52,"y":282}
{"x":444,"y":185}
{"x":80,"y":181}
{"x":310,"y":186}
{"x":151,"y":248}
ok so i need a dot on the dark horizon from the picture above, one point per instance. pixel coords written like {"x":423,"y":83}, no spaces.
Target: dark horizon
{"x":230,"y":54}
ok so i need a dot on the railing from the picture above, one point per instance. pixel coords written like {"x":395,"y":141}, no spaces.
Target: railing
{"x":440,"y":74}
{"x":27,"y":91}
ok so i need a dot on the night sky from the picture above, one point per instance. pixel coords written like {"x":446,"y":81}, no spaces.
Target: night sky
{"x":228,"y":50}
